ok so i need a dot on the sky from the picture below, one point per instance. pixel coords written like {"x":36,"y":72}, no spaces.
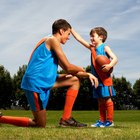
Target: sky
{"x":24,"y":22}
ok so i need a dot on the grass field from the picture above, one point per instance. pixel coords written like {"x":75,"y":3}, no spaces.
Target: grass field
{"x":127,"y":127}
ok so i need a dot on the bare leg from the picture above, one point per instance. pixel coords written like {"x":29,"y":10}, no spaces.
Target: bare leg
{"x":40,"y":116}
{"x":39,"y":119}
{"x":73,"y":85}
{"x":71,"y":82}
{"x":71,"y":94}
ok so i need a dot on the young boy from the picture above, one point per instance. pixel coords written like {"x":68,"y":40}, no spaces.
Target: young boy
{"x":105,"y":90}
{"x":41,"y":76}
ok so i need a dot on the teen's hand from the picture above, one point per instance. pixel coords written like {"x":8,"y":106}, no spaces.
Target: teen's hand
{"x":93,"y":80}
{"x":69,"y":76}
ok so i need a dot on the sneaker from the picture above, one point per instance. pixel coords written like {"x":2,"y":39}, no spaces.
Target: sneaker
{"x":0,"y":114}
{"x":109,"y":124}
{"x":98,"y":124}
{"x":71,"y":122}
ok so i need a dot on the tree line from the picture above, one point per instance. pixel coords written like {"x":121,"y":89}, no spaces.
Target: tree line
{"x":11,"y":95}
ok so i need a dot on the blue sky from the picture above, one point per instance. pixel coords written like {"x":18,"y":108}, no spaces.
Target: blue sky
{"x":24,"y":22}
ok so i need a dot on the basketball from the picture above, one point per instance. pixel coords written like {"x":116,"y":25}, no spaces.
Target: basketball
{"x":102,"y":60}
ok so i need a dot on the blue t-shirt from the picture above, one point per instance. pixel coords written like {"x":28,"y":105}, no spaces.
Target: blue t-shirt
{"x":41,"y":72}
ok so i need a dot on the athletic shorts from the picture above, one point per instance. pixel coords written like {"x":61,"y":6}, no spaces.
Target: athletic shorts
{"x":103,"y":91}
{"x":37,"y":101}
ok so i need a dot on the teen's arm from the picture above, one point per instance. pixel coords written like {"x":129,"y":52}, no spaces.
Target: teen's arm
{"x":63,"y":61}
{"x":80,"y":39}
{"x":80,"y":68}
{"x":92,"y":78}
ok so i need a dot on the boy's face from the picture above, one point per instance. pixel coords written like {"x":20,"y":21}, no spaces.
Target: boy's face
{"x":65,"y":36}
{"x":95,"y":38}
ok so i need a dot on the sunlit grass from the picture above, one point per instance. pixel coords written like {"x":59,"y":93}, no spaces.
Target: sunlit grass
{"x":127,"y":127}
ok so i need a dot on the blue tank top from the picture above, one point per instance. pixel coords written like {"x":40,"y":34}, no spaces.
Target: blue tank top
{"x":99,"y":51}
{"x":41,"y":72}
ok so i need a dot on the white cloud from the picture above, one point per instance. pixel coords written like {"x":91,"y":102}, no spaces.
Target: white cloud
{"x":24,"y":22}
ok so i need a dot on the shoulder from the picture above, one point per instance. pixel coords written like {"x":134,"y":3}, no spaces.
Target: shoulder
{"x":106,"y":47}
{"x":52,"y":42}
{"x":51,"y":39}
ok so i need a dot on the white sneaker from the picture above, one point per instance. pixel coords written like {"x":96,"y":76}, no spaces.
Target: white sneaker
{"x":98,"y":124}
{"x":109,"y":124}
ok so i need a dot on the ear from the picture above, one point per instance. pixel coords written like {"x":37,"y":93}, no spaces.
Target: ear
{"x":61,"y":31}
{"x":101,"y":37}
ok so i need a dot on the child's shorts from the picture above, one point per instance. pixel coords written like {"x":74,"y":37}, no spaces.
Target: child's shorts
{"x":103,"y":91}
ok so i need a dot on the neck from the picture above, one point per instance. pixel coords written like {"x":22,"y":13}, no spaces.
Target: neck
{"x":57,"y":36}
{"x":99,"y":44}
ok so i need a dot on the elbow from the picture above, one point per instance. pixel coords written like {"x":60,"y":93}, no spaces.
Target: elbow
{"x":70,"y":70}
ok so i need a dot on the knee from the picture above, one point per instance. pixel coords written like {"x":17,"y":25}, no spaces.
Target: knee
{"x":76,"y":81}
{"x":41,"y":125}
{"x":38,"y":124}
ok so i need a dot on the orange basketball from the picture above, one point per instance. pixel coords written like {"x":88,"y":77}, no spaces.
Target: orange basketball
{"x":102,"y":60}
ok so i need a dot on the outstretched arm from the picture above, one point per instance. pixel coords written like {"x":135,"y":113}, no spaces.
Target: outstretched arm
{"x":80,"y":39}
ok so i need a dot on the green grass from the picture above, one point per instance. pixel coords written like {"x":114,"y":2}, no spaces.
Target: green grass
{"x":127,"y":127}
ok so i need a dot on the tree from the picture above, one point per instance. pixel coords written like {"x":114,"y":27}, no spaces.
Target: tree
{"x":11,"y":93}
{"x":6,"y":88}
{"x":136,"y":89}
{"x":19,"y":93}
{"x":124,"y":94}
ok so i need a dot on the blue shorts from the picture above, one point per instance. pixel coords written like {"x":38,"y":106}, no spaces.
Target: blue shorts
{"x":37,"y":101}
{"x":103,"y":91}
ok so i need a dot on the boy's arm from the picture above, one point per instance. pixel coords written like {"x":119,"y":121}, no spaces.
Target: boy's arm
{"x":80,"y":39}
{"x":63,"y":61}
{"x":113,"y":57}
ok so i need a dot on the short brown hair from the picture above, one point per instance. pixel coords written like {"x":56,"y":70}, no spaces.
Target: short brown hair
{"x":60,"y":24}
{"x":99,"y":31}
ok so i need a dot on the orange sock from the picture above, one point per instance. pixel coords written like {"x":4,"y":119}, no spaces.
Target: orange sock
{"x":70,"y":99}
{"x":102,"y":110}
{"x":18,"y":121}
{"x":110,"y":110}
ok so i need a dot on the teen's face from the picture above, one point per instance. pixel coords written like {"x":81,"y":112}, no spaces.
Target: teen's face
{"x":65,"y":36}
{"x":94,"y":38}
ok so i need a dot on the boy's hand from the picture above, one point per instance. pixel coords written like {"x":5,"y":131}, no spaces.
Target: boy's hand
{"x":106,"y":67}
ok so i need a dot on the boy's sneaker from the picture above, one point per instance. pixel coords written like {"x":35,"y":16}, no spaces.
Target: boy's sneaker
{"x":98,"y":124}
{"x":109,"y":124}
{"x":71,"y":122}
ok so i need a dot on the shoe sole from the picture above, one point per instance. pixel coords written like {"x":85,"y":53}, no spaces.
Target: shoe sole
{"x":97,"y":126}
{"x":63,"y":126}
{"x":110,"y":126}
